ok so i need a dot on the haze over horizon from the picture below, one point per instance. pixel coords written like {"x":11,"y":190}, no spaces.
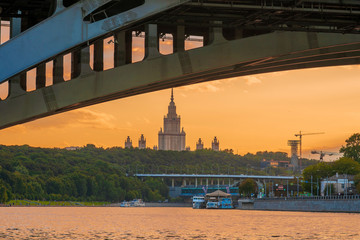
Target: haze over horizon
{"x":247,"y":114}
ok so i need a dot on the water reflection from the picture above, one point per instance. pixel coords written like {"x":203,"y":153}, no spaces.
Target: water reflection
{"x":172,"y":223}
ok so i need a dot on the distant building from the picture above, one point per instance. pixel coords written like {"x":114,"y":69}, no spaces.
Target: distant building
{"x":72,"y":148}
{"x":199,"y":144}
{"x":128,"y":143}
{"x":142,"y":142}
{"x":215,"y":144}
{"x":337,"y":184}
{"x":172,"y":138}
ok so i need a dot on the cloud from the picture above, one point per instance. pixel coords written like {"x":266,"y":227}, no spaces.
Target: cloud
{"x":251,"y":80}
{"x":77,"y":118}
{"x":350,"y":67}
{"x":204,"y":87}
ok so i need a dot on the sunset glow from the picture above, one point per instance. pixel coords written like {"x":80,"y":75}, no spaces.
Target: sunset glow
{"x":247,"y":114}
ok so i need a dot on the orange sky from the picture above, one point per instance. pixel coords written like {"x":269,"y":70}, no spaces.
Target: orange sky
{"x":248,"y":114}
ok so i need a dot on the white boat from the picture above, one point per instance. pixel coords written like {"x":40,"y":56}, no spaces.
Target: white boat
{"x":137,"y":203}
{"x":199,"y":202}
{"x":125,"y":204}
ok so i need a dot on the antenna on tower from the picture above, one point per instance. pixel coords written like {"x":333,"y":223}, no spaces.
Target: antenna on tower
{"x":172,"y":95}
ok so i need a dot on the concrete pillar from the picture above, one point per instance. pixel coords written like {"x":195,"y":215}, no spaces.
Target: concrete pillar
{"x":17,"y":85}
{"x":151,"y":41}
{"x":15,"y":26}
{"x":218,"y":181}
{"x":229,"y":182}
{"x":40,"y":76}
{"x":212,"y":181}
{"x":196,"y":182}
{"x":172,"y":182}
{"x":201,"y":181}
{"x":179,"y":37}
{"x":84,"y":62}
{"x":207,"y":182}
{"x":223,"y":182}
{"x":122,"y":48}
{"x":184,"y":182}
{"x":76,"y":64}
{"x":58,"y":69}
{"x":215,"y":33}
{"x":99,"y":55}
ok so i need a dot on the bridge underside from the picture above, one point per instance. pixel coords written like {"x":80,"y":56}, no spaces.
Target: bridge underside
{"x":228,"y":51}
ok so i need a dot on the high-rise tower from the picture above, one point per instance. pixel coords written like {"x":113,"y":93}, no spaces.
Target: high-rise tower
{"x":215,"y":144}
{"x":199,"y":145}
{"x":171,"y":138}
{"x":142,"y":142}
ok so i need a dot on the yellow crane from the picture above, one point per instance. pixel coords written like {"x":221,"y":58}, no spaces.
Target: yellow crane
{"x":300,"y":134}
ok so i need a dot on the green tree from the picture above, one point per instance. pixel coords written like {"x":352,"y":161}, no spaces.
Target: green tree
{"x":247,"y":187}
{"x":352,"y":148}
{"x":3,"y":193}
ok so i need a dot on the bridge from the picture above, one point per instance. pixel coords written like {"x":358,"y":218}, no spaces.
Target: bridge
{"x":198,"y":184}
{"x":240,"y":37}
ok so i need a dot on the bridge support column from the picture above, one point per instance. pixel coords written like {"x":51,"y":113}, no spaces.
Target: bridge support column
{"x":99,"y":55}
{"x":184,"y":182}
{"x":207,"y":182}
{"x":81,"y":62}
{"x":122,"y":48}
{"x":196,"y":182}
{"x":212,"y":181}
{"x":151,"y":41}
{"x":40,"y":76}
{"x":58,"y":69}
{"x":215,"y":33}
{"x":179,"y":37}
{"x":265,"y":187}
{"x":201,"y":181}
{"x":75,"y":64}
{"x":17,"y":85}
{"x":172,"y":182}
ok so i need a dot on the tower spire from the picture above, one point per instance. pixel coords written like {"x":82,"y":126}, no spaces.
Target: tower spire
{"x":172,"y":95}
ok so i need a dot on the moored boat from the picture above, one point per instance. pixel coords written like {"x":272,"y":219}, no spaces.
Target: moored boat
{"x":199,"y":202}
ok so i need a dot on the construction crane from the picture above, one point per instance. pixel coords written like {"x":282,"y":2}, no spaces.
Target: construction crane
{"x":300,"y":134}
{"x":322,"y":154}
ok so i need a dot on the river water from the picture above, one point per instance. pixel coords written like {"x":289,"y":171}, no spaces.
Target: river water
{"x":172,"y":223}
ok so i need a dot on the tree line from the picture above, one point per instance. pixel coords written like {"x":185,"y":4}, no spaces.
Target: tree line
{"x":97,"y":174}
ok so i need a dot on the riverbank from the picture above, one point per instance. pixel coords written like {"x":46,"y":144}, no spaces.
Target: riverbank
{"x":350,"y":204}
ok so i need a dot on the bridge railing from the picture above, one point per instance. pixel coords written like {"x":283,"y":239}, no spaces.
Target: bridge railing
{"x":304,"y":198}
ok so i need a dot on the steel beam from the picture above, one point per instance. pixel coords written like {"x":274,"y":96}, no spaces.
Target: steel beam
{"x":263,"y":53}
{"x":65,"y":30}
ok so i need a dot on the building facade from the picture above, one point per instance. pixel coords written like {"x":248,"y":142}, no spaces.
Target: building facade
{"x":215,"y":145}
{"x":171,"y":138}
{"x":142,"y":142}
{"x":128,"y":143}
{"x":199,"y":144}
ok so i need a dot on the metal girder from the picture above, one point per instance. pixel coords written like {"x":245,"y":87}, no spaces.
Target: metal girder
{"x":65,"y":30}
{"x":213,"y":176}
{"x":263,"y":53}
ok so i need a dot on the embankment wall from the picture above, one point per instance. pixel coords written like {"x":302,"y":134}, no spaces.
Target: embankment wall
{"x":323,"y":205}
